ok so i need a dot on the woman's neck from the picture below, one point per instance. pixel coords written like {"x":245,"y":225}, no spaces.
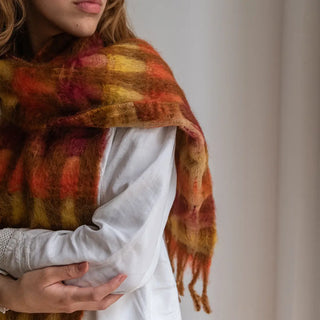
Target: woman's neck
{"x":40,"y":30}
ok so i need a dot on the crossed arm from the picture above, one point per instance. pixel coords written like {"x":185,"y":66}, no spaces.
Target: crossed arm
{"x":139,"y":184}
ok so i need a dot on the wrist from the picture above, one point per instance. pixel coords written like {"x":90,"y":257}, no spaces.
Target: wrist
{"x":3,"y":309}
{"x":6,"y":288}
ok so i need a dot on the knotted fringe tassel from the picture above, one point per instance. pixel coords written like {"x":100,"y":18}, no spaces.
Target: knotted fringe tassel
{"x":200,"y":266}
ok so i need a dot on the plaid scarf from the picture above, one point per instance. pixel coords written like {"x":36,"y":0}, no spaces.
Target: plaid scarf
{"x":56,"y":111}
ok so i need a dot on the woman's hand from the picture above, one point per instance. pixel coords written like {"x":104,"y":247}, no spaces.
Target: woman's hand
{"x":42,"y":291}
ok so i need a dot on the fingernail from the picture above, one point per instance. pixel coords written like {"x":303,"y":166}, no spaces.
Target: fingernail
{"x":122,"y":277}
{"x":81,"y":266}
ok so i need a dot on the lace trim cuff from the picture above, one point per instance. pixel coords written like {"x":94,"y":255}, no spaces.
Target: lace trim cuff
{"x":5,"y":236}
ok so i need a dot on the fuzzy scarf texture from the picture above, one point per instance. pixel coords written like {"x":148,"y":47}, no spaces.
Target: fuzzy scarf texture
{"x":56,"y":111}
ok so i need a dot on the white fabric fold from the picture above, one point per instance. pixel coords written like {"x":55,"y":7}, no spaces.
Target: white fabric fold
{"x":136,"y":191}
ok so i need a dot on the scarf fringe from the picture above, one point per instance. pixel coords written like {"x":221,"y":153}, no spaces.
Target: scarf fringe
{"x":200,"y":267}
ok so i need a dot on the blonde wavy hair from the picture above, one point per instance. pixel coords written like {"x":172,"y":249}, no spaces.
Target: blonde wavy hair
{"x":113,"y":26}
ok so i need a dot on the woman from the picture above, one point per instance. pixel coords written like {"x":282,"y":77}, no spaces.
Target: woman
{"x":94,"y":134}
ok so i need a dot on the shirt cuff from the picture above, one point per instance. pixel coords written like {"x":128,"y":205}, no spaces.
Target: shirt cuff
{"x":9,"y":250}
{"x":5,"y":236}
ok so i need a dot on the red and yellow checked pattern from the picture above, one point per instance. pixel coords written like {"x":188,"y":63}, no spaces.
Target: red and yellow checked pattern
{"x":55,"y":118}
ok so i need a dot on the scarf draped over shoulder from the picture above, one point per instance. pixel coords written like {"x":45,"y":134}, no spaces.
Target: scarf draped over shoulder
{"x":92,"y":86}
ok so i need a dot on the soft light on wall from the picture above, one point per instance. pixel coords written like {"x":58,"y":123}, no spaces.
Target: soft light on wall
{"x":251,"y":72}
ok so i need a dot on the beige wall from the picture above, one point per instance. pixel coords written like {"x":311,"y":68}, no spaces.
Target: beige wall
{"x":241,"y":65}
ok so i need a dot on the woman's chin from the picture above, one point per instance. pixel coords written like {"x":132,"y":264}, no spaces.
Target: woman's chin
{"x":83,"y":34}
{"x":82,"y":30}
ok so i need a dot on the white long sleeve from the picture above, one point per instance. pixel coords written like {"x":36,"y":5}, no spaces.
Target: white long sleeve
{"x":137,"y":189}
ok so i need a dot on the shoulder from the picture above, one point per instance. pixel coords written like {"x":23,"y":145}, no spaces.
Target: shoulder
{"x":134,"y":45}
{"x":136,"y":55}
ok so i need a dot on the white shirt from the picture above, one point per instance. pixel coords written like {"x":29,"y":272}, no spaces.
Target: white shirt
{"x":136,"y":191}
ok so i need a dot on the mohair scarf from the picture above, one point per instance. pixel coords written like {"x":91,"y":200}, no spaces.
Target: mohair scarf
{"x":56,"y":110}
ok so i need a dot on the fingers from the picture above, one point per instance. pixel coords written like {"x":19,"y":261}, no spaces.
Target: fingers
{"x":97,"y":294}
{"x":51,"y":275}
{"x":73,"y":298}
{"x":92,"y":298}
